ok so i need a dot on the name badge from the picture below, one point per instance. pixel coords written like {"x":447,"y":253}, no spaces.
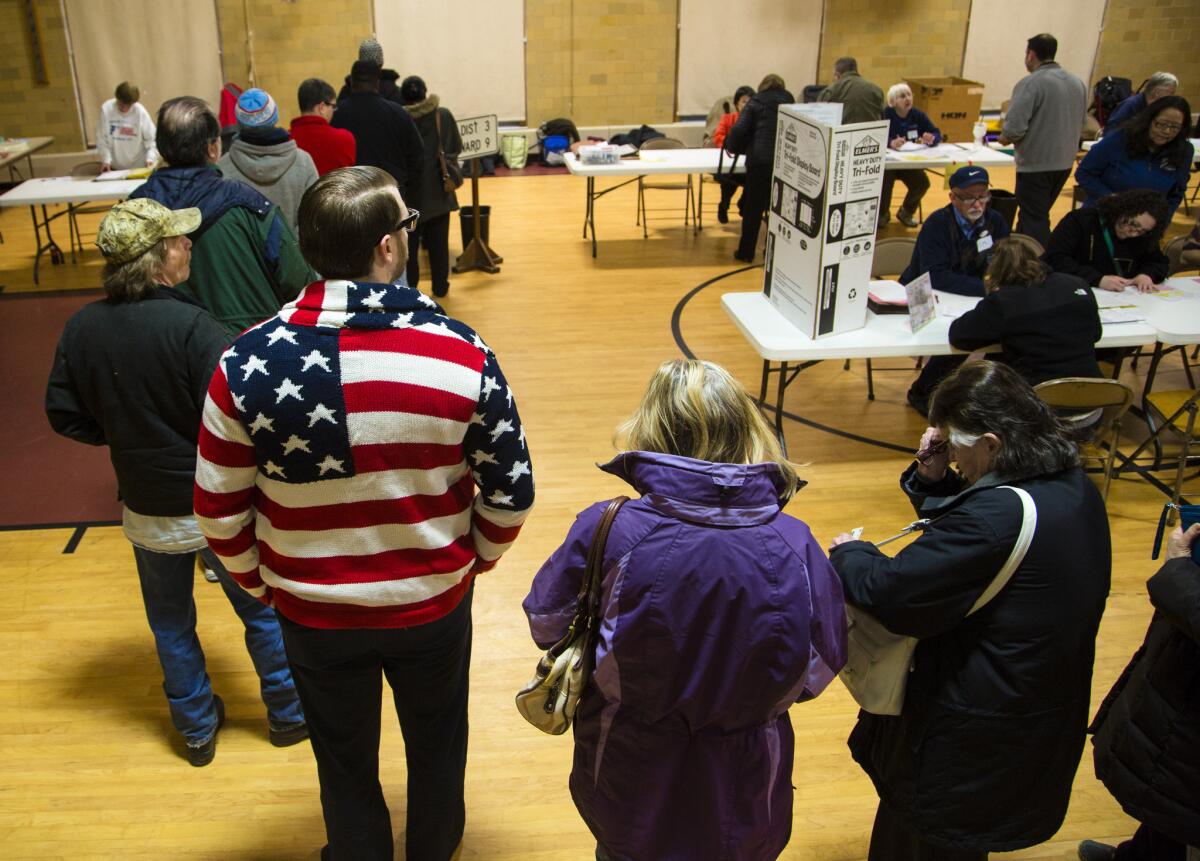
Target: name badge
{"x":983,"y":243}
{"x":912,"y":134}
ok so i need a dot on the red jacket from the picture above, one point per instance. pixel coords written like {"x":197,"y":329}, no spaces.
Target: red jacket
{"x":329,"y":147}
{"x":723,"y":126}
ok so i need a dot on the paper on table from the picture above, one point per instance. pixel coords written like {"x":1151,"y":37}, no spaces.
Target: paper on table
{"x":1109,"y":299}
{"x":887,"y":292}
{"x":912,"y":146}
{"x":128,"y":173}
{"x":1121,"y":315}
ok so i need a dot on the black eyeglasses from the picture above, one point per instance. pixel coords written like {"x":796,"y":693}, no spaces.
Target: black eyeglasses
{"x":330,"y":105}
{"x":408,"y":222}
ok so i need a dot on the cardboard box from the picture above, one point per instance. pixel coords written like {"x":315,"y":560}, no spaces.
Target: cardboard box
{"x":824,"y":208}
{"x":952,"y":104}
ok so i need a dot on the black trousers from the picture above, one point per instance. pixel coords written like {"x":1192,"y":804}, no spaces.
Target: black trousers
{"x":754,"y":203}
{"x":917,"y":183}
{"x":435,"y":232}
{"x":1036,"y":193}
{"x":338,"y":675}
{"x":891,"y":841}
{"x":729,"y":184}
{"x":1146,"y":844}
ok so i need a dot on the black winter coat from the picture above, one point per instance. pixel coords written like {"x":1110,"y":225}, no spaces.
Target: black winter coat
{"x":385,"y":135}
{"x":993,"y":725}
{"x":754,"y":132}
{"x":133,"y":376}
{"x":1077,"y":247}
{"x":1046,"y":330}
{"x":1147,"y":732}
{"x":428,"y":193}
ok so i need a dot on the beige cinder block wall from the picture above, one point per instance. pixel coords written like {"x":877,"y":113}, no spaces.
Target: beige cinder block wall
{"x":28,"y":109}
{"x":600,"y":63}
{"x":1141,"y":37}
{"x":894,"y":39}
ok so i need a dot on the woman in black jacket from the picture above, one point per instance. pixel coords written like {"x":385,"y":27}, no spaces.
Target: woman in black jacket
{"x":754,"y":136}
{"x":1046,"y":323}
{"x":982,"y":756}
{"x":1147,"y":732}
{"x":1113,"y":245}
{"x":428,"y":193}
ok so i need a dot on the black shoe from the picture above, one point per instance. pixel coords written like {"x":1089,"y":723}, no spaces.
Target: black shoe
{"x":289,"y":735}
{"x":1090,"y":850}
{"x":202,"y":754}
{"x":885,"y":218}
{"x":441,"y":291}
{"x":918,"y":402}
{"x":737,"y":255}
{"x":906,"y":218}
{"x":723,"y":214}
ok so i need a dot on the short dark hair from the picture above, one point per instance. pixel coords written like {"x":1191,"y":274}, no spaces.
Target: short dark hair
{"x":127,"y":92}
{"x":1131,"y":203}
{"x":364,"y":73}
{"x":342,"y":217}
{"x":1137,"y":131}
{"x":1043,"y":45}
{"x":771,"y":82}
{"x":842,"y":65}
{"x":313,"y":92}
{"x":989,"y":397}
{"x":413,"y":90}
{"x":186,"y":126}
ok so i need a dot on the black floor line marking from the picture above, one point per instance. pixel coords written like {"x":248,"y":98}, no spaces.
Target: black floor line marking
{"x":76,"y":537}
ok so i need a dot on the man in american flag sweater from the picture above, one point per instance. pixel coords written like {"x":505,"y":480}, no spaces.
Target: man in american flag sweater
{"x":342,"y":445}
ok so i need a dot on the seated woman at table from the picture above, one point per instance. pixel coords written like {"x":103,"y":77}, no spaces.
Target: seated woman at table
{"x":1115,"y":244}
{"x":730,"y":182}
{"x":1151,"y":150}
{"x":754,"y":135}
{"x":1046,"y":323}
{"x":906,"y":125}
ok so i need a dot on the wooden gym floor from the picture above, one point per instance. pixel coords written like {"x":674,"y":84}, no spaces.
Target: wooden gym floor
{"x":89,"y":764}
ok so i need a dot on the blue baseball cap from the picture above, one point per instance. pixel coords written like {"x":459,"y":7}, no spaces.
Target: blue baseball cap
{"x":969,"y":175}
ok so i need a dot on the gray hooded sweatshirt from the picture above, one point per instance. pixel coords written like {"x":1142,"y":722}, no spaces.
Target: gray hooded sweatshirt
{"x":281,"y":171}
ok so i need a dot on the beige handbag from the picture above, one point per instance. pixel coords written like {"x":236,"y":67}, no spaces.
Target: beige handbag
{"x":878,"y":662}
{"x":550,"y":699}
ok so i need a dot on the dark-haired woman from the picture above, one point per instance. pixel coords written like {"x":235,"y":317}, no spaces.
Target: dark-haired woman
{"x":754,"y":135}
{"x":431,"y":198}
{"x":1046,"y":323}
{"x":982,"y":756}
{"x":730,"y":182}
{"x":1150,"y":151}
{"x":1113,"y":245}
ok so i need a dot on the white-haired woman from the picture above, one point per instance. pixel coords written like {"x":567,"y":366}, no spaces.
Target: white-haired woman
{"x":1155,"y":87}
{"x":906,"y":125}
{"x":718,"y":613}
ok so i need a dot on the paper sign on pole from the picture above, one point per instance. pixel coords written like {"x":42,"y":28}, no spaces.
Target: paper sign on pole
{"x":824,"y":208}
{"x":479,"y":136}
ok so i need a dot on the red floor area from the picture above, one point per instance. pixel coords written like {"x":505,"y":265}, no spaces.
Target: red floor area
{"x":49,"y":479}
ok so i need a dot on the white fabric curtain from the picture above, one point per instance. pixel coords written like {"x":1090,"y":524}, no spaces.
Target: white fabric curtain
{"x":998,"y":33}
{"x":471,"y":53}
{"x":167,"y":47}
{"x":723,"y":45}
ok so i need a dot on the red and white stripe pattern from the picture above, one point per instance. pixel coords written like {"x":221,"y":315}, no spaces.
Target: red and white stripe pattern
{"x":341,"y":447}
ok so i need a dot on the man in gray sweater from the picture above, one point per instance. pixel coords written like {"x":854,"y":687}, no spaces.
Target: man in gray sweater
{"x":1044,"y":121}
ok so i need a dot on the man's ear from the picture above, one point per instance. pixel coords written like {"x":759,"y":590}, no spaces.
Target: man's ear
{"x":214,"y":151}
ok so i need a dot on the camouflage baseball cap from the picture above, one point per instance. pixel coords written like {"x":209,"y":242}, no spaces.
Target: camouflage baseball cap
{"x":134,"y":227}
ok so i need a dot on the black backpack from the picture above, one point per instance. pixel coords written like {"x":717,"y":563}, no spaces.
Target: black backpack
{"x":1107,"y":94}
{"x":560,"y":126}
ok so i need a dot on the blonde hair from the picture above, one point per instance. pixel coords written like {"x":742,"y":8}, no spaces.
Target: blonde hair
{"x":1013,"y":262}
{"x":895,"y":91}
{"x":696,"y":409}
{"x":131,"y":281}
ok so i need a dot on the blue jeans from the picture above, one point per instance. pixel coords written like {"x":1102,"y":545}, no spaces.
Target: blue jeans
{"x":166,"y":580}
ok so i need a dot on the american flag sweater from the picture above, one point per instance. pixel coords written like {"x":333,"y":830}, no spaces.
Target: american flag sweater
{"x":341,"y":446}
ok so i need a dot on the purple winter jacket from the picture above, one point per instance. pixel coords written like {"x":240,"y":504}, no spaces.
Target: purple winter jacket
{"x":719,"y":612}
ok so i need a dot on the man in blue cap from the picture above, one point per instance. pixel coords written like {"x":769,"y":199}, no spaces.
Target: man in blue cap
{"x":954,"y":247}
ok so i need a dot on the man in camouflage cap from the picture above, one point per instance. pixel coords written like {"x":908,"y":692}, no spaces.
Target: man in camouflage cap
{"x":131,"y":372}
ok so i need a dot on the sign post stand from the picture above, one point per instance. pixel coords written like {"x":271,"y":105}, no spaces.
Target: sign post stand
{"x":479,"y":138}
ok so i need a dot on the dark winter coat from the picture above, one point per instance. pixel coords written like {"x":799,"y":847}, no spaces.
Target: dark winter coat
{"x":953,"y":260}
{"x":983,"y":755}
{"x":1147,"y":732}
{"x":1046,"y":330}
{"x":753,"y":135}
{"x":133,"y":376}
{"x":428,"y":194}
{"x":719,"y":612}
{"x":384,"y":135}
{"x":1077,"y":247}
{"x":388,"y":88}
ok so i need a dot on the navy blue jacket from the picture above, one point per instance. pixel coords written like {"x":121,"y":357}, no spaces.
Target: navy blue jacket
{"x":1108,"y":167}
{"x":916,"y":121}
{"x":1124,"y":111}
{"x":953,"y":261}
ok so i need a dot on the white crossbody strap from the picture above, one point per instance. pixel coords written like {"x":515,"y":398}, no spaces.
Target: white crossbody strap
{"x":1024,"y":539}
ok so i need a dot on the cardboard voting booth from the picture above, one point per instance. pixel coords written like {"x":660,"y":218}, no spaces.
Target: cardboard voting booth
{"x":952,"y":104}
{"x":824,"y":208}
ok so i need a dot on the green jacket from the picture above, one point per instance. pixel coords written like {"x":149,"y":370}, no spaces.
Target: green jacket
{"x":246,"y":267}
{"x":861,"y":100}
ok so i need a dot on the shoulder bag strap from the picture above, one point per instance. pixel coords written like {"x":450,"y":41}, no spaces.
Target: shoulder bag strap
{"x":441,"y":155}
{"x":1017,"y":556}
{"x":589,"y":593}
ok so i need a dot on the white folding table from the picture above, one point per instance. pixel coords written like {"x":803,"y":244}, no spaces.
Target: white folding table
{"x":36,"y":193}
{"x":15,"y":149}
